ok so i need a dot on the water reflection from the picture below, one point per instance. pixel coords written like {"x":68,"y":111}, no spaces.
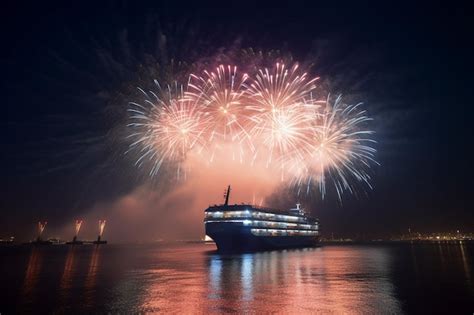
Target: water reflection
{"x":173,"y":281}
{"x":465,"y":262}
{"x":246,"y":277}
{"x":66,"y":279}
{"x":215,"y":270}
{"x":413,"y":278}
{"x":91,"y":277}
{"x":32,"y":272}
{"x":340,"y":280}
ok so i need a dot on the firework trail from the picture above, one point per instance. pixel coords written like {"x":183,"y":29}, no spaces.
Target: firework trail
{"x":41,"y":227}
{"x":78,"y":225}
{"x":274,"y":112}
{"x":101,"y":227}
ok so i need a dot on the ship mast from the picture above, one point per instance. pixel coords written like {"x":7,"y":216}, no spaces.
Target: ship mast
{"x":227,"y":193}
{"x":298,"y":209}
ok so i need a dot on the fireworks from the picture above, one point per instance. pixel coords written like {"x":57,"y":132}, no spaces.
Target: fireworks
{"x":78,"y":225}
{"x":341,"y":148}
{"x":281,"y":104}
{"x":101,"y":227}
{"x":169,"y":125}
{"x":41,"y":227}
{"x":220,"y":94}
{"x":272,"y":116}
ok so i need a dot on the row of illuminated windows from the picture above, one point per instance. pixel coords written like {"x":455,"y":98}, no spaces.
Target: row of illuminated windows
{"x":271,"y":224}
{"x":273,"y":232}
{"x":252,"y":214}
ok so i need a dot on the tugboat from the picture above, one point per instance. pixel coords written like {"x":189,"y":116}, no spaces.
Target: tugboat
{"x":245,"y":227}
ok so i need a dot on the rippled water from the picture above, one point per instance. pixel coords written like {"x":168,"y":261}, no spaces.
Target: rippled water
{"x":193,"y":278}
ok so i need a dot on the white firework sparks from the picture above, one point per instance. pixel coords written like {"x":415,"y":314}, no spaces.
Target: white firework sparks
{"x":274,"y":112}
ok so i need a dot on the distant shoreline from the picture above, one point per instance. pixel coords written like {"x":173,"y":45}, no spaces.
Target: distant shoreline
{"x":323,"y":242}
{"x":363,"y":242}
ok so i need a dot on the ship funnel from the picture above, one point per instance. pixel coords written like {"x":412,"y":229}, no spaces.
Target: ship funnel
{"x":227,"y":194}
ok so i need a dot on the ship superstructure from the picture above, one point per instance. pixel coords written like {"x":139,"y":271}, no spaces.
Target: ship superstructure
{"x":247,"y":227}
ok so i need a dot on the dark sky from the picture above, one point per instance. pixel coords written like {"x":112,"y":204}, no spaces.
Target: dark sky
{"x":68,"y":73}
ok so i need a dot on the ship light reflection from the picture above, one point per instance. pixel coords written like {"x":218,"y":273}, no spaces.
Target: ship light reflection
{"x":32,"y":272}
{"x":246,"y":277}
{"x":215,"y":270}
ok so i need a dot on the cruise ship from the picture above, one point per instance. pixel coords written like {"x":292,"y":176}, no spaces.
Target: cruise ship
{"x":245,"y":227}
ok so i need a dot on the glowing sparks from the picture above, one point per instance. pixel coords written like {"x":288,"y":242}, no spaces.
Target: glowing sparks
{"x":281,"y":104}
{"x":41,"y":227}
{"x":78,"y":225}
{"x":273,"y":112}
{"x":169,"y":126}
{"x":341,"y":148}
{"x":280,"y":87}
{"x":101,"y":227}
{"x":221,"y":96}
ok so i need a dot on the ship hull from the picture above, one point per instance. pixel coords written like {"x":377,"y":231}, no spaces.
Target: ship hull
{"x":231,"y":237}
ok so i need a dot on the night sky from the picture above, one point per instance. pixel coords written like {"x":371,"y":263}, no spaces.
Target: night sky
{"x":69,"y":72}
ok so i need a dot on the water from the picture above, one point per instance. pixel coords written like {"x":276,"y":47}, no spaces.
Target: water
{"x":193,"y":278}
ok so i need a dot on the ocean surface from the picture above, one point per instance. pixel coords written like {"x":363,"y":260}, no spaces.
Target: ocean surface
{"x":193,"y":278}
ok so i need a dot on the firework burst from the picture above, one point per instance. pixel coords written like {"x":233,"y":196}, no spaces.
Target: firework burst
{"x":342,"y":150}
{"x":220,"y":94}
{"x":280,"y":87}
{"x":281,"y":105}
{"x":274,"y":113}
{"x":168,"y":125}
